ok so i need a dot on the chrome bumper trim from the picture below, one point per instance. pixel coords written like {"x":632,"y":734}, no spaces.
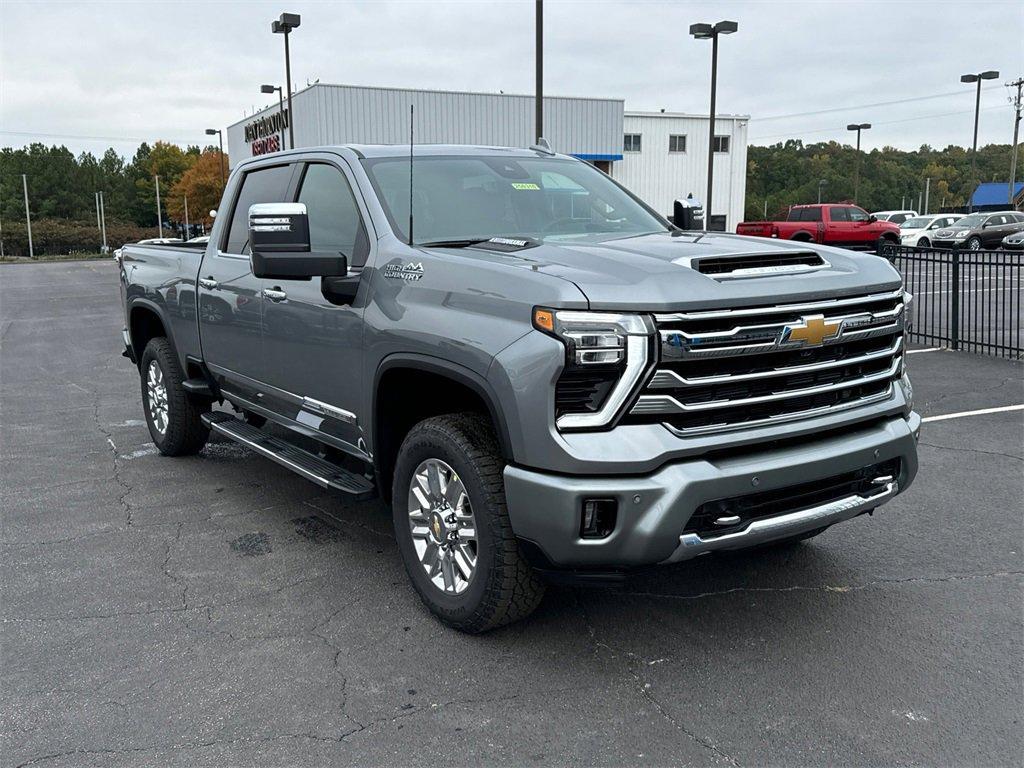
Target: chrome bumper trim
{"x":790,"y":524}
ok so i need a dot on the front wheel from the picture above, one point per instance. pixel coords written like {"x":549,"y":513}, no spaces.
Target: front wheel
{"x":173,"y":418}
{"x":924,"y":242}
{"x":974,"y":244}
{"x":452,"y":525}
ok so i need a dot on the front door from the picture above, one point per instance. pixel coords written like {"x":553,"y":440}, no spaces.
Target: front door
{"x":230,"y":300}
{"x":313,"y":342}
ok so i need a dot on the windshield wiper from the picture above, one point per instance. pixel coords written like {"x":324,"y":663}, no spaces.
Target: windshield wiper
{"x":466,"y":243}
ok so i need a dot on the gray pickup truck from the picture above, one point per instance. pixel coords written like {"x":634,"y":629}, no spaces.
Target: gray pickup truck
{"x":543,"y":377}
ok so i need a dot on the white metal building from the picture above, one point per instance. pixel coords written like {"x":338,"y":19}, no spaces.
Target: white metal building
{"x":665,"y":158}
{"x":659,"y":156}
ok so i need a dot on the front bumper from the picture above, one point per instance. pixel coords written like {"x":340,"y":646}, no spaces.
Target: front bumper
{"x":653,"y":509}
{"x":948,"y":243}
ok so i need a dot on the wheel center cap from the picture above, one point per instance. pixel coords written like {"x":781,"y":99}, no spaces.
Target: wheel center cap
{"x":438,"y":528}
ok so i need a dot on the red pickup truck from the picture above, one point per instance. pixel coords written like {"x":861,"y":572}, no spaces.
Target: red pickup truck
{"x":832,"y":224}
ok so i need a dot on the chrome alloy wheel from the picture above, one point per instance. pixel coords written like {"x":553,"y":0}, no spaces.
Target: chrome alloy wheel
{"x":442,"y":526}
{"x":156,"y":392}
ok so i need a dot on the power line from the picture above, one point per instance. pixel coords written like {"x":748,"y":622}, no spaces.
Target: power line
{"x":884,"y":122}
{"x":863,"y":106}
{"x":94,"y":138}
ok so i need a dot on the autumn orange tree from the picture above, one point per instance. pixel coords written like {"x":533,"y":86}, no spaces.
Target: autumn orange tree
{"x":201,"y":184}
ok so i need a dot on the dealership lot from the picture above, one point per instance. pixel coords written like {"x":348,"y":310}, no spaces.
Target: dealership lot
{"x":219,"y":610}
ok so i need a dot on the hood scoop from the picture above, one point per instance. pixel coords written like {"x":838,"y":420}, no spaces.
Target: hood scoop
{"x":755,"y":264}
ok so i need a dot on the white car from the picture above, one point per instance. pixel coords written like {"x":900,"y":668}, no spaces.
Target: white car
{"x":917,"y":230}
{"x":896,"y":217}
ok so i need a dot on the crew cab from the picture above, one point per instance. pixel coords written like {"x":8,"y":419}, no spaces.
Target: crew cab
{"x":832,"y":224}
{"x":542,"y":376}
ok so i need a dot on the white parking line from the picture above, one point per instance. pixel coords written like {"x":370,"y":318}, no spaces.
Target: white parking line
{"x":980,"y":412}
{"x":929,"y":349}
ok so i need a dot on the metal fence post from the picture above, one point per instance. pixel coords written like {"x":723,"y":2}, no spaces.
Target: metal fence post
{"x":954,"y":293}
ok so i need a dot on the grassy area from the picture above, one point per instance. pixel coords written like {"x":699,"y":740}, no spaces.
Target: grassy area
{"x":55,"y":257}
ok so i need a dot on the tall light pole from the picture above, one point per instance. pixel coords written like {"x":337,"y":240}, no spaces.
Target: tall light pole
{"x":821,"y":186}
{"x":103,"y":222}
{"x":989,"y":75}
{"x":280,"y":99}
{"x":28,"y":218}
{"x":159,"y":215}
{"x":858,"y":127}
{"x":220,"y":139}
{"x":539,"y":56}
{"x":711,"y":32}
{"x":1018,"y":84}
{"x":283,"y":26}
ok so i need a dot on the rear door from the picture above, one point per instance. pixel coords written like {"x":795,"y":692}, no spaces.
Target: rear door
{"x":996,"y":228}
{"x":313,"y":342}
{"x":229,"y":294}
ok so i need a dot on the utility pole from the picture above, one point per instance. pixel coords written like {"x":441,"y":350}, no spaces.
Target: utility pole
{"x":159,"y":216}
{"x":927,"y":189}
{"x":103,"y":223}
{"x":28,"y":217}
{"x":97,"y":196}
{"x":1018,"y":84}
{"x":539,"y":56}
{"x":186,"y":217}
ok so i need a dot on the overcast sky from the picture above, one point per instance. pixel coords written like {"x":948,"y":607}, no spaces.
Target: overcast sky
{"x":97,"y":74}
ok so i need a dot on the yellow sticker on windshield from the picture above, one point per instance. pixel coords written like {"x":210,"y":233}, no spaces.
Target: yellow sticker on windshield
{"x":524,"y":185}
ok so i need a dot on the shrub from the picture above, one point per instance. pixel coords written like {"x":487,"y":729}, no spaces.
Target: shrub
{"x":51,"y":237}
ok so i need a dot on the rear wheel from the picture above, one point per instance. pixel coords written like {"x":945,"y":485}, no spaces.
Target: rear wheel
{"x":173,"y":418}
{"x":452,"y":525}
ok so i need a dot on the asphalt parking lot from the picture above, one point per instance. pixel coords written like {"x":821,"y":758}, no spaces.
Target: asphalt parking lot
{"x":218,"y":610}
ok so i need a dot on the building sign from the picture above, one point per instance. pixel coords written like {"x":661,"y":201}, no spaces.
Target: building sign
{"x":264,"y":135}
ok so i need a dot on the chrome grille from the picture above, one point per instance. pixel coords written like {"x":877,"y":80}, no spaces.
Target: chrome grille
{"x":735,"y":369}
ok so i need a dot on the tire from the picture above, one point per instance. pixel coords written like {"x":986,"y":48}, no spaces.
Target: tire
{"x":924,"y":242}
{"x":176,"y":429}
{"x":973,"y":244}
{"x":501,"y":586}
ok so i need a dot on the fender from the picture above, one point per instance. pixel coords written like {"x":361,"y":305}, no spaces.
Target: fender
{"x":461,"y":374}
{"x":160,"y":312}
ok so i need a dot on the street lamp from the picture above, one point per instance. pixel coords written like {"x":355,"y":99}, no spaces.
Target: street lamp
{"x":220,"y":138}
{"x":283,"y":26}
{"x":711,"y":32}
{"x":280,"y":98}
{"x":858,"y":127}
{"x":821,"y":186}
{"x":990,"y":75}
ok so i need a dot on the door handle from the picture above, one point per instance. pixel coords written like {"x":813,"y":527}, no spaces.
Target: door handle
{"x":208,"y":283}
{"x":275,"y":294}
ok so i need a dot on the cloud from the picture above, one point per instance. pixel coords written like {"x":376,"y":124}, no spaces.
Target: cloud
{"x":125,"y":71}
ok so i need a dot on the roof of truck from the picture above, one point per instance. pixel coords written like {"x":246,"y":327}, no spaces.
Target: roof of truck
{"x":402,"y":150}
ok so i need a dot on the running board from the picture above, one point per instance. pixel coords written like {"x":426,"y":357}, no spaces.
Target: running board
{"x":302,"y":462}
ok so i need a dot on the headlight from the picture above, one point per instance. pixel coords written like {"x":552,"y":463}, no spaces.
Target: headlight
{"x":909,"y":302}
{"x":606,"y":355}
{"x":908,"y":390}
{"x":960,"y":234}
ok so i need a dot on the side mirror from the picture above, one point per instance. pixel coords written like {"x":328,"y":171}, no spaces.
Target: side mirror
{"x":872,"y":219}
{"x":279,"y":241}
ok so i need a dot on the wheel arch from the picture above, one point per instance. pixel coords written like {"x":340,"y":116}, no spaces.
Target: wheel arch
{"x":146,"y":320}
{"x":408,"y":388}
{"x":802,"y":236}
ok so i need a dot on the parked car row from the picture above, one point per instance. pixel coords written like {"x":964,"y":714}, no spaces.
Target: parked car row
{"x":979,"y":231}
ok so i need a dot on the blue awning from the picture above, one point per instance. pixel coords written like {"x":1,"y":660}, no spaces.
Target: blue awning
{"x":592,"y":158}
{"x":995,"y":193}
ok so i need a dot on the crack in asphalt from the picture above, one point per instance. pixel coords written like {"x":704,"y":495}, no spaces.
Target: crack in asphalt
{"x":125,"y":485}
{"x":828,"y":587}
{"x":972,"y":450}
{"x":631,"y":662}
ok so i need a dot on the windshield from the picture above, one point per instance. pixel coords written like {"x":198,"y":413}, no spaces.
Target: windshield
{"x":460,"y":198}
{"x":970,"y":222}
{"x":919,"y":223}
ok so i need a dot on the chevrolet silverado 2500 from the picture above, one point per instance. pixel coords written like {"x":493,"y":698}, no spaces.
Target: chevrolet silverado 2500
{"x":539,"y":374}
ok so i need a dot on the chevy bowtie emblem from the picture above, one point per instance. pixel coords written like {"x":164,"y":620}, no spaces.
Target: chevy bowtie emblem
{"x":813,"y":330}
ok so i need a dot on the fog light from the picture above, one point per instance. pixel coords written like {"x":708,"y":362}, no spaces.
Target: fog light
{"x":598,"y":520}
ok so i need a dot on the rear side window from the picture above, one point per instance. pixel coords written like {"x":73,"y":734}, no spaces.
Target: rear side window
{"x":335,"y":225}
{"x":839,"y":214}
{"x":805,"y":214}
{"x":266,"y":185}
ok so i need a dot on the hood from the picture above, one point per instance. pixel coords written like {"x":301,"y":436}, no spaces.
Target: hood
{"x":660,"y":272}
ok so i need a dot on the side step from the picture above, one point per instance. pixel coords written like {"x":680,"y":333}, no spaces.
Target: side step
{"x":197,"y":387}
{"x":302,"y":462}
